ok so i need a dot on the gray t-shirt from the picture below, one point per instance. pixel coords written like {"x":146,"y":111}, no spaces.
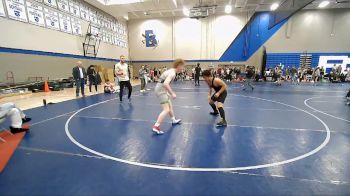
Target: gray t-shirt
{"x":142,"y":73}
{"x":167,"y":76}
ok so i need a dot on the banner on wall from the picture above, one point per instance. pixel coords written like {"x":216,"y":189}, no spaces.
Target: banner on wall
{"x":51,"y":3}
{"x":93,"y":17}
{"x":114,"y":26}
{"x":115,"y":40}
{"x":65,"y":23}
{"x":35,"y":13}
{"x":51,"y":19}
{"x":76,"y":26}
{"x":63,"y":5}
{"x":111,"y":38}
{"x":108,"y":24}
{"x":103,"y":36}
{"x":74,"y":8}
{"x":100,"y":19}
{"x":2,"y":10}
{"x":104,"y":22}
{"x":16,"y":10}
{"x":95,"y":31}
{"x":84,"y":13}
{"x":106,"y":36}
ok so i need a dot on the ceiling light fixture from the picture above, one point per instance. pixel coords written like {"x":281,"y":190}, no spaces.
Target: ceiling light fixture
{"x":274,"y":7}
{"x":228,"y":9}
{"x":323,"y":4}
{"x":186,"y":11}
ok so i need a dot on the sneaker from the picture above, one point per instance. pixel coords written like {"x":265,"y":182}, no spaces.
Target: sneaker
{"x":157,"y":130}
{"x":129,"y":100}
{"x":177,"y":121}
{"x":18,"y":130}
{"x":24,"y":120}
{"x":214,"y":113}
{"x":222,"y":123}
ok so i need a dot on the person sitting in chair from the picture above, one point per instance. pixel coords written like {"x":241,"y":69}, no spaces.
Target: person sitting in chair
{"x":17,"y":117}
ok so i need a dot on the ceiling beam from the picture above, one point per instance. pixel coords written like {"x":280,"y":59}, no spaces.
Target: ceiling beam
{"x":133,"y":13}
{"x":175,"y":3}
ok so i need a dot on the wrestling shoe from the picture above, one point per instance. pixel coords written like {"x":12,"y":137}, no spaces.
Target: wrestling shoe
{"x":176,"y":121}
{"x":222,"y":123}
{"x":24,"y":120}
{"x":214,"y":113}
{"x":18,"y":130}
{"x":157,"y":130}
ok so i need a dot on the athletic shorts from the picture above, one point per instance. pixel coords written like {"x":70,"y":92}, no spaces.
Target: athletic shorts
{"x":161,"y":94}
{"x":221,"y":98}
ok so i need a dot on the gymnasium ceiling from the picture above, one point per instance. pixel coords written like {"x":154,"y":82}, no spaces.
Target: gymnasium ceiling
{"x":169,"y":8}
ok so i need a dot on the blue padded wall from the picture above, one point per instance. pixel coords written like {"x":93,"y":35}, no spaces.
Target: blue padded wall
{"x":251,"y":38}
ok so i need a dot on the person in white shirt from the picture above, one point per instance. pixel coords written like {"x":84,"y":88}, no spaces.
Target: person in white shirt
{"x":16,"y":116}
{"x":164,"y":92}
{"x":122,"y":70}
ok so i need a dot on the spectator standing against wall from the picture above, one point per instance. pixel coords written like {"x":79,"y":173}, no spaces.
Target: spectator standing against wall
{"x":122,"y":70}
{"x":294,"y":75}
{"x":79,"y":75}
{"x":142,"y":74}
{"x":316,"y":75}
{"x":321,"y":73}
{"x":197,"y":73}
{"x":249,"y":75}
{"x":92,"y":76}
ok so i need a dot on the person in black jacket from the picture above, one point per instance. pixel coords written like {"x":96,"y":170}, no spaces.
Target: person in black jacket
{"x":92,"y":75}
{"x":197,"y":73}
{"x":249,"y":75}
{"x":79,"y":75}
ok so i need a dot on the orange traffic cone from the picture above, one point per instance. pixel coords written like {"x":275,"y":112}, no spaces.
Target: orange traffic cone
{"x":46,"y":87}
